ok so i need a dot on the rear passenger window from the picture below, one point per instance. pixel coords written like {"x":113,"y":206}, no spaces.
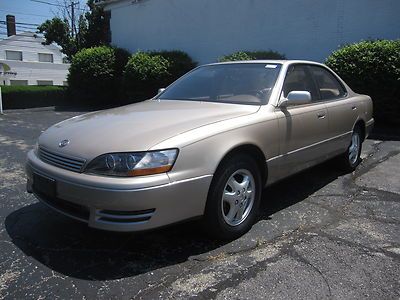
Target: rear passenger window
{"x":328,"y":86}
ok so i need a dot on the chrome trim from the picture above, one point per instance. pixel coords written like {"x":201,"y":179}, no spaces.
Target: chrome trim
{"x":61,"y":160}
{"x":309,"y":146}
{"x":59,"y":157}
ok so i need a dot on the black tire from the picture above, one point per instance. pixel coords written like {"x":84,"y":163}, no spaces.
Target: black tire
{"x":214,"y":221}
{"x":348,"y":164}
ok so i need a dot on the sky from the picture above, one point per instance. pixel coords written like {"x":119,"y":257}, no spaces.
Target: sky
{"x":27,"y":11}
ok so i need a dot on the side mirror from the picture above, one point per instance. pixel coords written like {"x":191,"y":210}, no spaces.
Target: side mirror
{"x":296,"y":98}
{"x":160,"y":90}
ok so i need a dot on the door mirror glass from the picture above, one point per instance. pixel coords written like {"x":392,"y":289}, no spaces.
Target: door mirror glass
{"x":296,"y":98}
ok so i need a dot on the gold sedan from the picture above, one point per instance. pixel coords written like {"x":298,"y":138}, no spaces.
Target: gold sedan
{"x":203,"y":147}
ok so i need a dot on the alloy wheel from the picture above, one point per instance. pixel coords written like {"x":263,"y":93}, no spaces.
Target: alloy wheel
{"x":354,"y":148}
{"x":238,"y":197}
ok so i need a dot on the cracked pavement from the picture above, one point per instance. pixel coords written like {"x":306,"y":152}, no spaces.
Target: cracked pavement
{"x":320,"y":234}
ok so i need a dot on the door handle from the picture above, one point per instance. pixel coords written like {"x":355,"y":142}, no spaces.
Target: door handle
{"x":321,"y":116}
{"x":354,"y":107}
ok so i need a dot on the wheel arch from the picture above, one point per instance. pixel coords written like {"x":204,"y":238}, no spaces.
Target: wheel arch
{"x":252,"y":151}
{"x":362,"y":125}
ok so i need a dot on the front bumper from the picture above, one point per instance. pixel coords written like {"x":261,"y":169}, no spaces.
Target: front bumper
{"x":121,"y":204}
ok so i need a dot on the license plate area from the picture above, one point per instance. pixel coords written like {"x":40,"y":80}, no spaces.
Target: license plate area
{"x":44,"y":185}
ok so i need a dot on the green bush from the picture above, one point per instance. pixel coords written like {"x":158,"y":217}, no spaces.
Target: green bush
{"x":372,"y":68}
{"x":144,"y":74}
{"x":33,"y":96}
{"x":96,"y":74}
{"x":240,"y":55}
{"x":92,"y":73}
{"x":121,"y":59}
{"x":252,"y":55}
{"x":179,"y":63}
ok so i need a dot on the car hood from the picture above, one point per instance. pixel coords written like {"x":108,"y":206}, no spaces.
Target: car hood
{"x":135,"y":127}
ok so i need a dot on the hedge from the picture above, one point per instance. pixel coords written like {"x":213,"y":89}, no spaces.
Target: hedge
{"x":179,"y":63}
{"x":96,"y":74}
{"x":33,"y":96}
{"x":103,"y":74}
{"x":144,"y":74}
{"x":252,"y":55}
{"x":372,"y":68}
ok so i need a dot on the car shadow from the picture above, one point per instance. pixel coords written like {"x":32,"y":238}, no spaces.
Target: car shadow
{"x":71,"y":248}
{"x":298,"y":187}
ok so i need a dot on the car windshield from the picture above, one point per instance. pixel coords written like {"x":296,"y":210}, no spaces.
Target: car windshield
{"x":242,"y":83}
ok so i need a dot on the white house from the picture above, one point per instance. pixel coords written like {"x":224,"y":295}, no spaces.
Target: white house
{"x":208,"y":29}
{"x":29,"y":62}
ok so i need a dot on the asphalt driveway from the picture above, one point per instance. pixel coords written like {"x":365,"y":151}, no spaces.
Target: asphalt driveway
{"x":320,"y":234}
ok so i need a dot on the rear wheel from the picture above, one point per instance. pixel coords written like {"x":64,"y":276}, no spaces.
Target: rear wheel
{"x":352,"y":157}
{"x":233,"y":198}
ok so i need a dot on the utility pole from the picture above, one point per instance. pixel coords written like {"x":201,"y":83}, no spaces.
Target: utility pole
{"x":72,"y":5}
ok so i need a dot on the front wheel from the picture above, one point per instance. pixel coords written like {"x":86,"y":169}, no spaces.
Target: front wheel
{"x":352,"y":157}
{"x":233,"y":198}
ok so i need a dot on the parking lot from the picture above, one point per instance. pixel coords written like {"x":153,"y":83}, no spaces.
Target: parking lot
{"x":320,"y":234}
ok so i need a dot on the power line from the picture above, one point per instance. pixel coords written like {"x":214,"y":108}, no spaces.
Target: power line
{"x":59,"y":5}
{"x":26,"y":27}
{"x":48,"y":3}
{"x":22,"y":13}
{"x":20,"y":23}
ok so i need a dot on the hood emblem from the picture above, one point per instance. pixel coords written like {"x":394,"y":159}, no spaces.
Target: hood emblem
{"x":63,"y":143}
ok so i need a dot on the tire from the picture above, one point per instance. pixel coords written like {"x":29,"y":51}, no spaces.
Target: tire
{"x":352,"y":157}
{"x":233,"y":198}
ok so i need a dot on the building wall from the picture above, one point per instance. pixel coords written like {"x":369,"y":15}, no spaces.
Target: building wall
{"x":35,"y":71}
{"x":208,"y":29}
{"x":30,"y":70}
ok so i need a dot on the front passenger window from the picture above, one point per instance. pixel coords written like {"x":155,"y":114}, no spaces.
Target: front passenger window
{"x":298,"y":79}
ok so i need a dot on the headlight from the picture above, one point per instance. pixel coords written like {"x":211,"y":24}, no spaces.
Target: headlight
{"x":130,"y":164}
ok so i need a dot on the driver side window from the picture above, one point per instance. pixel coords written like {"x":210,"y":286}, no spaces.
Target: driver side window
{"x":299,"y":79}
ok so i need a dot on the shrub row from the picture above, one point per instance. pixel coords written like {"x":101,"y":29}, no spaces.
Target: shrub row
{"x":96,"y":73}
{"x":252,"y":55}
{"x":372,"y":68}
{"x":105,"y":74}
{"x":112,"y":75}
{"x":146,"y":72}
{"x":33,"y":96}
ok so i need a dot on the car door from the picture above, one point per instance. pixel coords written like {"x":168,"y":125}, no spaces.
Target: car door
{"x":342,"y":111}
{"x":302,"y":128}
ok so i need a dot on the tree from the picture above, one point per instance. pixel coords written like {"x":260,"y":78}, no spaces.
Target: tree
{"x":58,"y":31}
{"x":91,"y":30}
{"x":96,"y":26}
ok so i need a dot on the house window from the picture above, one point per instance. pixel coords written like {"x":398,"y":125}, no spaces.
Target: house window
{"x":13,"y":55}
{"x":46,"y":57}
{"x":18,"y":82}
{"x":45,"y":82}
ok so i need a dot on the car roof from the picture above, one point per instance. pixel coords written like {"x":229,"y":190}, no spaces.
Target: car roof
{"x":268,"y":61}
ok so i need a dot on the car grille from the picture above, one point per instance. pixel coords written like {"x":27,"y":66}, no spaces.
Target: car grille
{"x":61,"y":161}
